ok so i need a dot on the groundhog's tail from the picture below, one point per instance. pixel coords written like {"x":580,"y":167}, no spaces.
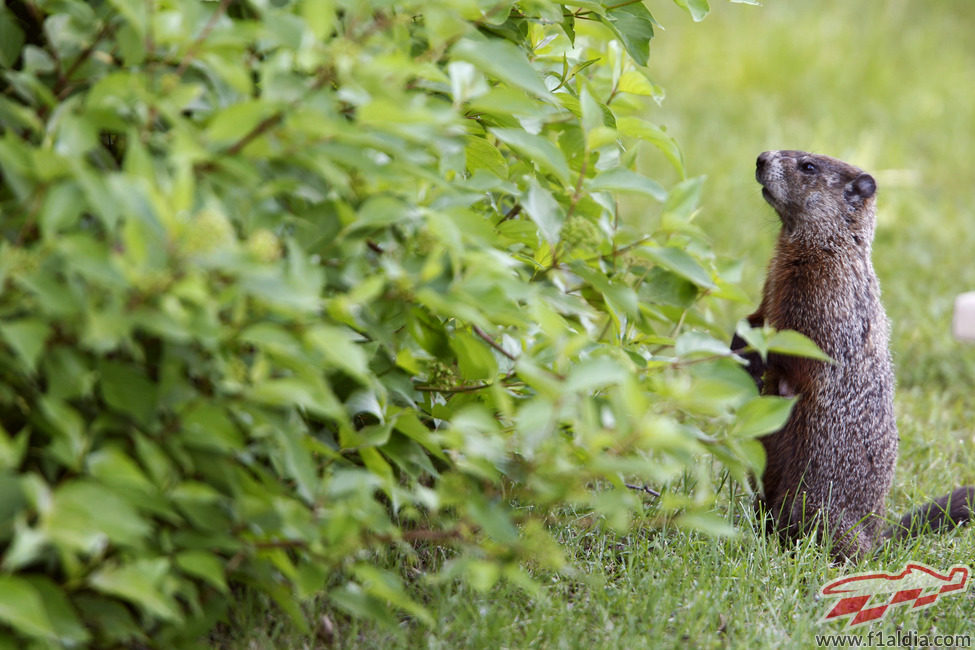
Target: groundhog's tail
{"x":953,"y":509}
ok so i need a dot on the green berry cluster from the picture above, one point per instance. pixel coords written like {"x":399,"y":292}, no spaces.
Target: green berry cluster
{"x":580,"y":232}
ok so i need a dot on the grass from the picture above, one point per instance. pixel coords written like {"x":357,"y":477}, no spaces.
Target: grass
{"x":888,"y":87}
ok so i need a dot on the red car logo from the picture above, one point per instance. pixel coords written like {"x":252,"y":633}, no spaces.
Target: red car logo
{"x":917,"y":584}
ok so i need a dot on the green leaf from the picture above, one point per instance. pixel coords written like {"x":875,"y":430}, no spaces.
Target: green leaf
{"x":679,"y":261}
{"x":376,"y":464}
{"x":113,"y":619}
{"x":230,"y":124}
{"x":11,"y":38}
{"x":495,"y":519}
{"x":275,"y":340}
{"x":206,"y":565}
{"x":618,"y":295}
{"x":29,"y":545}
{"x":379,"y":211}
{"x":537,"y":149}
{"x":63,"y":205}
{"x":22,"y":608}
{"x":140,"y":582}
{"x":639,"y":128}
{"x":208,"y":426}
{"x":75,"y":136}
{"x":352,"y":599}
{"x":753,"y":453}
{"x":387,"y":586}
{"x":85,"y":516}
{"x":481,"y":154}
{"x":481,"y":574}
{"x":592,"y":111}
{"x":795,"y":344}
{"x":636,"y":82}
{"x":544,"y":210}
{"x":132,"y":45}
{"x":12,"y":450}
{"x":68,"y":431}
{"x":762,"y":415}
{"x":633,"y":25}
{"x":126,"y":388}
{"x":409,"y":424}
{"x":698,"y":9}
{"x":68,"y":628}
{"x":593,"y":374}
{"x":319,"y":17}
{"x":502,"y":60}
{"x":428,"y":332}
{"x":620,"y":179}
{"x":474,"y":357}
{"x":311,"y":394}
{"x":19,"y":116}
{"x":115,"y":468}
{"x":298,"y":461}
{"x":698,"y":343}
{"x":682,"y":203}
{"x":755,"y":337}
{"x":340,"y":350}
{"x":27,"y":338}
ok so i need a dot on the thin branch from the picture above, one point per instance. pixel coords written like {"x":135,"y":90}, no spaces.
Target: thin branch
{"x":280,"y":543}
{"x":511,"y":214}
{"x":262,"y":127}
{"x":424,"y":535}
{"x":467,"y":388}
{"x":577,"y":193}
{"x":616,"y":252}
{"x":418,"y":535}
{"x":585,"y":13}
{"x":622,"y":4}
{"x":432,"y":535}
{"x":191,"y":51}
{"x":680,"y":323}
{"x":38,"y":19}
{"x":683,"y":363}
{"x":150,"y":42}
{"x":64,"y":86}
{"x":273,"y":120}
{"x":426,"y":388}
{"x":494,"y":344}
{"x":643,"y":488}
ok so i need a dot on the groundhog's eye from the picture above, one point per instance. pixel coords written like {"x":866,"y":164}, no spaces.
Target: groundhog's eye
{"x":808,"y":168}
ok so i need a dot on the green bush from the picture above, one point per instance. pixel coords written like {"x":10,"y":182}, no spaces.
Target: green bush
{"x":283,"y":282}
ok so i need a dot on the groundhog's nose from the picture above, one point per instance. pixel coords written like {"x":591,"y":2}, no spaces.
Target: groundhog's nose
{"x":762,"y":159}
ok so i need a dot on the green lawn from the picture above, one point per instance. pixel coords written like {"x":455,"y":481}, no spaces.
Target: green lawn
{"x":888,"y":87}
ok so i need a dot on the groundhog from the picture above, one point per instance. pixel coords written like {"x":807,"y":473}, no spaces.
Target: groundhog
{"x":830,"y":467}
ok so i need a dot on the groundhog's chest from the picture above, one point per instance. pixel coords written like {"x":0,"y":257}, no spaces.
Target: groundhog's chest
{"x":824,"y":306}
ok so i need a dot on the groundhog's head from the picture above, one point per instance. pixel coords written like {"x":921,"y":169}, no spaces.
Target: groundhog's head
{"x":819,"y":199}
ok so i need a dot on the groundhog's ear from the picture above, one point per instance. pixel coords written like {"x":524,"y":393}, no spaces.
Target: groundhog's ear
{"x":862,"y":187}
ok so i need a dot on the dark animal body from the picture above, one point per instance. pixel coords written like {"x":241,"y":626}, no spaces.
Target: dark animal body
{"x":831,"y":465}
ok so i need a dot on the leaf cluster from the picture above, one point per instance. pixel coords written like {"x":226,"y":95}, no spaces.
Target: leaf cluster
{"x":286,"y":282}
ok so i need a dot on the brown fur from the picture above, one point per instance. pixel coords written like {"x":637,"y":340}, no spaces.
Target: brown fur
{"x":832,"y":464}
